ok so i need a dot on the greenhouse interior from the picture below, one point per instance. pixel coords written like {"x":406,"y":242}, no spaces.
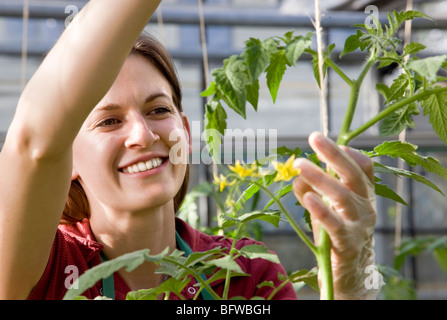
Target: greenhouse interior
{"x":410,"y":240}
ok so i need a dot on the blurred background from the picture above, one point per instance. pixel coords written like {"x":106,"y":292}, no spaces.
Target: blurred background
{"x":28,"y":29}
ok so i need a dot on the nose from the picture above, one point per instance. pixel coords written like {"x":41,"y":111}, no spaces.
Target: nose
{"x":140,"y":135}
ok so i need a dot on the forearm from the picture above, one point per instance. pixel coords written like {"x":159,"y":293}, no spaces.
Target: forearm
{"x":36,"y":159}
{"x":79,"y":70}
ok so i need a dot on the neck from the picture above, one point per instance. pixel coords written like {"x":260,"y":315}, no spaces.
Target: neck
{"x":126,"y":232}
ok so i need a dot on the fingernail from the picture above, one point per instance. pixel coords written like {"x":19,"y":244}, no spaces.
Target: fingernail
{"x":298,"y":163}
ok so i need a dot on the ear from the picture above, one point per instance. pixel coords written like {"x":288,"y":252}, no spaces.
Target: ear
{"x":74,"y":174}
{"x":187,"y":130}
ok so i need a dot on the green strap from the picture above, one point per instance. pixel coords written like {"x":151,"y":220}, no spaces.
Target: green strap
{"x":108,"y":284}
{"x":184,"y":246}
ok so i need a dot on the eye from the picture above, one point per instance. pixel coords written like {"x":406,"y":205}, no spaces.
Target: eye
{"x":160,"y":110}
{"x":108,"y":122}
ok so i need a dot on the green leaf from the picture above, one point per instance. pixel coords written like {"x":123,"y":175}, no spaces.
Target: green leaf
{"x":412,"y":48}
{"x":407,"y":152}
{"x":396,"y":287}
{"x":288,"y":152}
{"x":409,"y":247}
{"x":288,"y":36}
{"x":417,"y":245}
{"x":435,"y":106}
{"x":427,"y":67}
{"x":275,"y":72}
{"x":307,"y":219}
{"x":253,"y":94}
{"x":215,"y":124}
{"x":269,"y":284}
{"x":296,"y":47}
{"x":170,"y":285}
{"x":231,"y":81}
{"x":257,"y":55}
{"x":388,"y":58}
{"x":255,"y":251}
{"x":352,"y":43}
{"x":271,"y":216}
{"x":398,"y":120}
{"x":210,"y":90}
{"x":411,"y":14}
{"x":396,"y":18}
{"x":315,"y":59}
{"x":398,"y":88}
{"x":200,"y":257}
{"x":280,"y":193}
{"x":309,"y":277}
{"x":215,"y":116}
{"x":384,"y":191}
{"x":440,"y":255}
{"x":379,"y":168}
{"x":129,"y":261}
{"x":226,"y":263}
{"x":253,"y":188}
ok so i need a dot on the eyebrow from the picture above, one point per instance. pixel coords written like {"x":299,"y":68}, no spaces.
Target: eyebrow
{"x":108,"y":107}
{"x":156,"y":95}
{"x":149,"y":98}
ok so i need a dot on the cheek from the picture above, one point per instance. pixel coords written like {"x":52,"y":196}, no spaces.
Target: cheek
{"x":179,"y":149}
{"x":177,"y":140}
{"x":91,"y":155}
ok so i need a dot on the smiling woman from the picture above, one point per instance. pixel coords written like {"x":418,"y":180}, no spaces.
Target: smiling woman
{"x":155,"y":104}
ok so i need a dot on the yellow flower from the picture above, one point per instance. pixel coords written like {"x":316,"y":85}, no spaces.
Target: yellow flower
{"x":285,"y":171}
{"x":243,"y":170}
{"x":222,"y":181}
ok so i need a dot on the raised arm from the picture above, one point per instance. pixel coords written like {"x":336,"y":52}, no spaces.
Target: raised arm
{"x":36,"y":160}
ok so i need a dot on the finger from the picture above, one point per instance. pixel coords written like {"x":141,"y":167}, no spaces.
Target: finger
{"x":321,"y":214}
{"x":300,"y":187}
{"x":346,"y":168}
{"x":364,"y":162}
{"x":326,"y":185}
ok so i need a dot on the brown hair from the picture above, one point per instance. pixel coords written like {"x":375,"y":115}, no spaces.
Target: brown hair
{"x":77,"y":207}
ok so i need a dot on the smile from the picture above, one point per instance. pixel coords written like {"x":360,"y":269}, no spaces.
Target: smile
{"x":143,"y":166}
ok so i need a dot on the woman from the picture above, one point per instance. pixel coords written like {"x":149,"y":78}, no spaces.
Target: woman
{"x":96,"y":122}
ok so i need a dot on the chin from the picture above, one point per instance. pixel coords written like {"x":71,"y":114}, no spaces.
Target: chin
{"x":162,"y":201}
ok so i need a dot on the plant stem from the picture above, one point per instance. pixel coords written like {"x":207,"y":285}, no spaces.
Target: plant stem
{"x":228,"y":274}
{"x":196,"y":276}
{"x":355,"y":89}
{"x":325,"y":266}
{"x":289,"y":218}
{"x":347,"y":136}
{"x":275,"y":291}
{"x":340,"y":72}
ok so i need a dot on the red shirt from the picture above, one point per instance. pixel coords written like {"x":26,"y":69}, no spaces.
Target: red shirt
{"x":75,"y":247}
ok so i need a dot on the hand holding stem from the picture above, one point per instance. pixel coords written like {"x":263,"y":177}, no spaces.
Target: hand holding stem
{"x":349,"y":219}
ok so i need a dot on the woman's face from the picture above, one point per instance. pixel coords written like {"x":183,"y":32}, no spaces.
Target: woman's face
{"x":132,"y":150}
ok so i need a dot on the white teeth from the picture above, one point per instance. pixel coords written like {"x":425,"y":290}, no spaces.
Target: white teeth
{"x":143,"y":166}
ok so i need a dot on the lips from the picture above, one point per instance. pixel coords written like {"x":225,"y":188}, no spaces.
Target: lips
{"x":141,"y":166}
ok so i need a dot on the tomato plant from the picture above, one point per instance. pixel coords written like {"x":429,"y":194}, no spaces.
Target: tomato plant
{"x":237,"y":82}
